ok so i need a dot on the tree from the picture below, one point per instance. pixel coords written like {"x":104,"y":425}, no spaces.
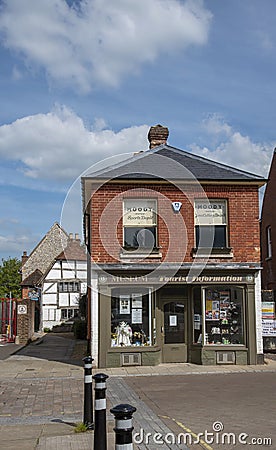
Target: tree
{"x":10,"y":278}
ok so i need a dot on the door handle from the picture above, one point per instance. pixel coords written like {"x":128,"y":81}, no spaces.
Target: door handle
{"x":162,"y":330}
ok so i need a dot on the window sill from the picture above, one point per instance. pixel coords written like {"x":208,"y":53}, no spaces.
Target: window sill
{"x":135,"y":349}
{"x":140,"y":254}
{"x":224,"y":346}
{"x":203,"y":252}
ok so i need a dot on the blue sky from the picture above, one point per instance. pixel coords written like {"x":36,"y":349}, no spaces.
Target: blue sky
{"x":83,"y":81}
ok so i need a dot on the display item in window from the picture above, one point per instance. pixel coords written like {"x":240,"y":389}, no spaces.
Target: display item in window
{"x":124,"y":334}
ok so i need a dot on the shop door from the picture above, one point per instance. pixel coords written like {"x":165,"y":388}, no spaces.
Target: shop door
{"x":174,"y":330}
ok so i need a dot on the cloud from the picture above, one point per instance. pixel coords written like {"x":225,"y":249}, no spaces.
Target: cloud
{"x":234,"y":149}
{"x":58,"y":146}
{"x":14,"y":237}
{"x":98,"y":42}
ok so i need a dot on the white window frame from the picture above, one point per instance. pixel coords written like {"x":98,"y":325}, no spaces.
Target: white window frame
{"x":68,"y":286}
{"x":67,"y":310}
{"x":269,"y":242}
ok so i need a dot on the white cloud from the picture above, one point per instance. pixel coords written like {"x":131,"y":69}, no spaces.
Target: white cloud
{"x":214,"y":124}
{"x":14,"y":238}
{"x":235,"y":149}
{"x":58,"y":146}
{"x":97,"y":42}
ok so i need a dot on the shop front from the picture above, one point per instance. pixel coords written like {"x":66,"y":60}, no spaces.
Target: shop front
{"x":210,"y":319}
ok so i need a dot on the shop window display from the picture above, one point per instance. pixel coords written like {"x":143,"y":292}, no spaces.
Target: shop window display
{"x":197,"y":328}
{"x":131,"y":318}
{"x":223,"y":316}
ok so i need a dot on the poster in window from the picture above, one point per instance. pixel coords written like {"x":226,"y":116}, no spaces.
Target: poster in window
{"x":224,"y":299}
{"x":209,"y":307}
{"x":137,"y":301}
{"x":139,"y":212}
{"x":269,"y":327}
{"x":136,"y":315}
{"x":268,"y":310}
{"x":173,"y":321}
{"x":124,"y":304}
{"x":212,"y":212}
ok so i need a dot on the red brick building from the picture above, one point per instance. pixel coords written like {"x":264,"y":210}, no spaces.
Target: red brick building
{"x":268,"y":230}
{"x":268,"y":251}
{"x":175,"y":259}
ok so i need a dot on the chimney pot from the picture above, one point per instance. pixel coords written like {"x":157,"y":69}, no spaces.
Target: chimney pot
{"x":77,"y":236}
{"x":158,"y":135}
{"x":71,"y":236}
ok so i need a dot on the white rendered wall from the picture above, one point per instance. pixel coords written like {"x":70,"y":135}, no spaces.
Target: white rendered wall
{"x":94,"y":318}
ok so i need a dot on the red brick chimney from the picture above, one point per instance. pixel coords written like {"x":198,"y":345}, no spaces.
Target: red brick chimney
{"x":24,"y":258}
{"x":158,"y":135}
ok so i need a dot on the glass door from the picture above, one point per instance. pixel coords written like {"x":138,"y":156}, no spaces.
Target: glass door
{"x":174,"y":330}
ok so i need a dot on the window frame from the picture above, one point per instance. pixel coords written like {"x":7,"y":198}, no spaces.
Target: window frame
{"x":153,"y":226}
{"x":73,"y":310}
{"x":128,"y":295}
{"x":240,"y":321}
{"x":67,"y":287}
{"x":268,"y":242}
{"x":225,"y":225}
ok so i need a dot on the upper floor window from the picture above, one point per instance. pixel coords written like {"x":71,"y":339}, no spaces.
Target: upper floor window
{"x":269,"y":242}
{"x":69,"y":286}
{"x":140,"y":224}
{"x":211,"y":223}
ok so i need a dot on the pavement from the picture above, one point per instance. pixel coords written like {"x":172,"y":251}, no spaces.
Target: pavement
{"x":41,"y":394}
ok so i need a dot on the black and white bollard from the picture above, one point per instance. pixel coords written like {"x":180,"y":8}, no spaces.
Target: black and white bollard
{"x":88,"y":394}
{"x":123,"y":426}
{"x":100,"y":440}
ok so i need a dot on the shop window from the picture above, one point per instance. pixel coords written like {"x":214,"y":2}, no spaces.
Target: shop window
{"x":269,"y":242}
{"x":69,"y":313}
{"x":140,"y":224}
{"x":197,"y":328}
{"x":211,"y":224}
{"x":69,"y":286}
{"x":223,"y":316}
{"x":131,"y":318}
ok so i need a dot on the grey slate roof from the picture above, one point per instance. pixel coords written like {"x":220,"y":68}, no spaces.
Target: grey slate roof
{"x":170,"y":163}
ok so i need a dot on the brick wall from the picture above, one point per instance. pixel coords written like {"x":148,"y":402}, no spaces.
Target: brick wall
{"x":175,"y":231}
{"x":269,"y":219}
{"x":25,"y":321}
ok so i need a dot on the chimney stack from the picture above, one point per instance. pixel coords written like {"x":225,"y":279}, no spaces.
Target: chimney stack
{"x":24,"y":257}
{"x":158,"y":135}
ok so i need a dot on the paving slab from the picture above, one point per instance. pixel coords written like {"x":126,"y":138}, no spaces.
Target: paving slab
{"x":41,"y":395}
